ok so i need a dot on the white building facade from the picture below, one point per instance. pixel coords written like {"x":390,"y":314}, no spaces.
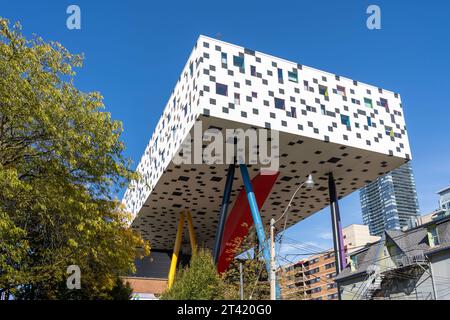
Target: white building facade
{"x":327,"y":123}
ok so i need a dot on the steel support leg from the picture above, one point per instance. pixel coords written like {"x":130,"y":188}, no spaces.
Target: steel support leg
{"x":223,"y":212}
{"x":192,"y":236}
{"x":338,"y":239}
{"x":257,"y":220}
{"x":176,"y":250}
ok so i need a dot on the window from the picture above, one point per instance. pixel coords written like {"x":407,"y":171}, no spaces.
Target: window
{"x":238,"y":61}
{"x":330,"y":254}
{"x":323,"y":90}
{"x":369,"y":121}
{"x":224,"y":58}
{"x":279,"y":103}
{"x":221,"y":89}
{"x":315,"y":280}
{"x":293,"y":76}
{"x":384,"y":104}
{"x":392,"y":250}
{"x":306,"y":85}
{"x":280,"y":75}
{"x":389,"y":131}
{"x":191,"y":69}
{"x":331,"y":286}
{"x":341,"y":90}
{"x":345,"y":120}
{"x":368,"y":103}
{"x":253,"y":71}
{"x":174,"y":130}
{"x":315,"y":290}
{"x":355,"y":101}
{"x":433,"y":238}
{"x":293,"y":112}
{"x":313,"y":271}
{"x":323,"y":110}
{"x":237,"y":99}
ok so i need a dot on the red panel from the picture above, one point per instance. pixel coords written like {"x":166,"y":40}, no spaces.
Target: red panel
{"x":240,"y":219}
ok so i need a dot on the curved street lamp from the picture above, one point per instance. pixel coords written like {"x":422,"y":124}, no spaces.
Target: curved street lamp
{"x":274,"y":290}
{"x":309,"y":183}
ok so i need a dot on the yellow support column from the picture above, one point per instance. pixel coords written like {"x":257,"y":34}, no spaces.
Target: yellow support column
{"x":191,"y":233}
{"x":176,"y":250}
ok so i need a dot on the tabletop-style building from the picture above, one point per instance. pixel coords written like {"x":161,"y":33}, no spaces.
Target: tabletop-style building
{"x":343,"y":132}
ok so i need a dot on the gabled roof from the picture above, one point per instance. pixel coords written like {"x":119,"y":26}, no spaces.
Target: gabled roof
{"x":365,"y":258}
{"x":412,"y":243}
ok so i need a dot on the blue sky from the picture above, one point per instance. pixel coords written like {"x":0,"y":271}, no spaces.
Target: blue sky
{"x":135,"y":51}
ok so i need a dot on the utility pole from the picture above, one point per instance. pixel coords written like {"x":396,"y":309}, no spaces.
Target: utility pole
{"x":241,"y":281}
{"x":273,"y":281}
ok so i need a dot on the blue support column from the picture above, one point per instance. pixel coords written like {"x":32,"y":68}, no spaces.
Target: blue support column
{"x":257,"y":220}
{"x":223,"y":212}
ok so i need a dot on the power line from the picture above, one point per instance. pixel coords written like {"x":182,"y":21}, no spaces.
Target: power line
{"x":403,"y":275}
{"x":321,"y":250}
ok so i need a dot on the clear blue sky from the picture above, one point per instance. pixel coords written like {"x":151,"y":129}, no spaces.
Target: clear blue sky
{"x":135,"y":51}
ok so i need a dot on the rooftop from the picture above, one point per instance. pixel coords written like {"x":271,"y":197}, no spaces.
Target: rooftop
{"x":445,"y":190}
{"x":411,"y":243}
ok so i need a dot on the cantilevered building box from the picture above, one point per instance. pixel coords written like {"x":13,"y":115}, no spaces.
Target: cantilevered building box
{"x":326,"y":123}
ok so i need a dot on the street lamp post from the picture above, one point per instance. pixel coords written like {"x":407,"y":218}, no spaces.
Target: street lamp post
{"x":273,"y":280}
{"x":309,"y":183}
{"x":241,"y":281}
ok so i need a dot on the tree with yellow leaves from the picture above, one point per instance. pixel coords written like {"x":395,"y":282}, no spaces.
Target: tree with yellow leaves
{"x":61,"y":163}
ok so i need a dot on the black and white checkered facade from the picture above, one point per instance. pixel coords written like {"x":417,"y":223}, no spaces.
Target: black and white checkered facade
{"x":327,"y":123}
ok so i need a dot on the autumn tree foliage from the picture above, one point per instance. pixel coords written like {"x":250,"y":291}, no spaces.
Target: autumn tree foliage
{"x":61,"y":164}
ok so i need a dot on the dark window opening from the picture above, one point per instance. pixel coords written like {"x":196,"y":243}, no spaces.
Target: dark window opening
{"x":221,"y":89}
{"x":279,"y":103}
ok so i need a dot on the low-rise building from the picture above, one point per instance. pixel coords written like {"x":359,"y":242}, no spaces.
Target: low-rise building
{"x":150,"y":278}
{"x":357,"y":236}
{"x":411,"y":264}
{"x":444,"y":199}
{"x":426,"y":218}
{"x":312,"y":278}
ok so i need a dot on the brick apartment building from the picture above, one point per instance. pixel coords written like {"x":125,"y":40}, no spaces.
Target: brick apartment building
{"x":310,"y":279}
